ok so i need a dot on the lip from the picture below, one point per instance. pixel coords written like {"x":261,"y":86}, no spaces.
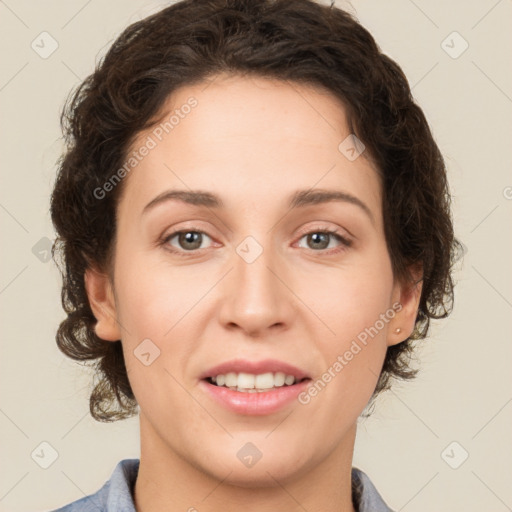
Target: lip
{"x":256,"y":404}
{"x":254,"y":367}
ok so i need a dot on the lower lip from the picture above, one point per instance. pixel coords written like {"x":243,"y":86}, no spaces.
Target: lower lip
{"x":259,"y":403}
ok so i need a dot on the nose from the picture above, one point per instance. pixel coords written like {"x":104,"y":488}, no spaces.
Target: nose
{"x":257,"y":296}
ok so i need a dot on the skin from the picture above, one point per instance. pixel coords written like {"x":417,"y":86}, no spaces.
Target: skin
{"x":253,"y":142}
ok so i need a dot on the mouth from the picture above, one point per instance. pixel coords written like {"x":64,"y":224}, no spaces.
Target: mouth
{"x":254,"y":387}
{"x":260,"y":400}
{"x":251,"y":383}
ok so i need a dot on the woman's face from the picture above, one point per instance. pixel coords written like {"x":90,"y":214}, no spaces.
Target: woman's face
{"x":254,"y":278}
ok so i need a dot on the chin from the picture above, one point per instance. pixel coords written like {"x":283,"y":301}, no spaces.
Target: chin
{"x":279,"y":466}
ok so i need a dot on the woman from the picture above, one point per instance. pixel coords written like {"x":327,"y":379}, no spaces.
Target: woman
{"x":254,"y":223}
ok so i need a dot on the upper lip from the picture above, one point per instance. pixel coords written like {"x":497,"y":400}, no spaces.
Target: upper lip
{"x":254,"y":367}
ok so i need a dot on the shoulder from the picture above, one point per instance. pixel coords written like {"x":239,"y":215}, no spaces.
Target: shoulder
{"x":116,"y":495}
{"x":365,"y":496}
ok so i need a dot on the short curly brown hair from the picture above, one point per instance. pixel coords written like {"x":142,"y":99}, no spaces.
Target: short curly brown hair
{"x":302,"y":42}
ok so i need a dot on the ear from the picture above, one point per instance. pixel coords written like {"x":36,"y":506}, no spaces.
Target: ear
{"x":101,"y":299}
{"x":408,"y":295}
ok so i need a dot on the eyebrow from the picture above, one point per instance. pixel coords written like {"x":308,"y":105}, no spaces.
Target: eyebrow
{"x":299,"y":199}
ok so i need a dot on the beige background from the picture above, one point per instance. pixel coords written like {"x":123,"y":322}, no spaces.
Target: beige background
{"x":463,"y":392}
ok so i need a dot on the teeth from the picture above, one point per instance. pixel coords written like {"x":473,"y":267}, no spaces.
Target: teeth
{"x":289,"y":380}
{"x":246,"y":381}
{"x":249,"y":383}
{"x":279,"y":379}
{"x":231,"y":380}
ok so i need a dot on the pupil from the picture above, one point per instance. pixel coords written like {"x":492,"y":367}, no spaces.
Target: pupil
{"x":189,"y":237}
{"x":316,"y":236}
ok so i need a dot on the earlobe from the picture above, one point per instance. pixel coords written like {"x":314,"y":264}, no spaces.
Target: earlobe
{"x":101,"y":299}
{"x":408,"y":295}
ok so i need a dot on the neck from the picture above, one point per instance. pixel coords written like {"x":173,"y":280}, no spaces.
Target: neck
{"x":167,"y":481}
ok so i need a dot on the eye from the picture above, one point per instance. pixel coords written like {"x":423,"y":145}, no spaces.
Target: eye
{"x":191,"y":240}
{"x":319,"y":239}
{"x":188,"y":240}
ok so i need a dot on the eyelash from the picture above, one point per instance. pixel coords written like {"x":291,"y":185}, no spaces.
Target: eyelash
{"x":326,"y":252}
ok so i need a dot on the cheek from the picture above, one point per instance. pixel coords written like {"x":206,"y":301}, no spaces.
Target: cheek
{"x":354,"y":306}
{"x":155,"y":308}
{"x":153,"y":298}
{"x":350,"y":298}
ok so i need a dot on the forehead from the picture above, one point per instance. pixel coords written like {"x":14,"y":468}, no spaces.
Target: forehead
{"x":248,"y":139}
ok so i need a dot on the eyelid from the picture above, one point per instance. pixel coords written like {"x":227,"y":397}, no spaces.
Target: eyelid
{"x":318,"y":228}
{"x":348,"y":240}
{"x":166,"y":237}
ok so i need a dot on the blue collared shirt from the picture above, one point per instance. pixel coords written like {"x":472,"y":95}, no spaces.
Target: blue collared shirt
{"x":117,"y":493}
